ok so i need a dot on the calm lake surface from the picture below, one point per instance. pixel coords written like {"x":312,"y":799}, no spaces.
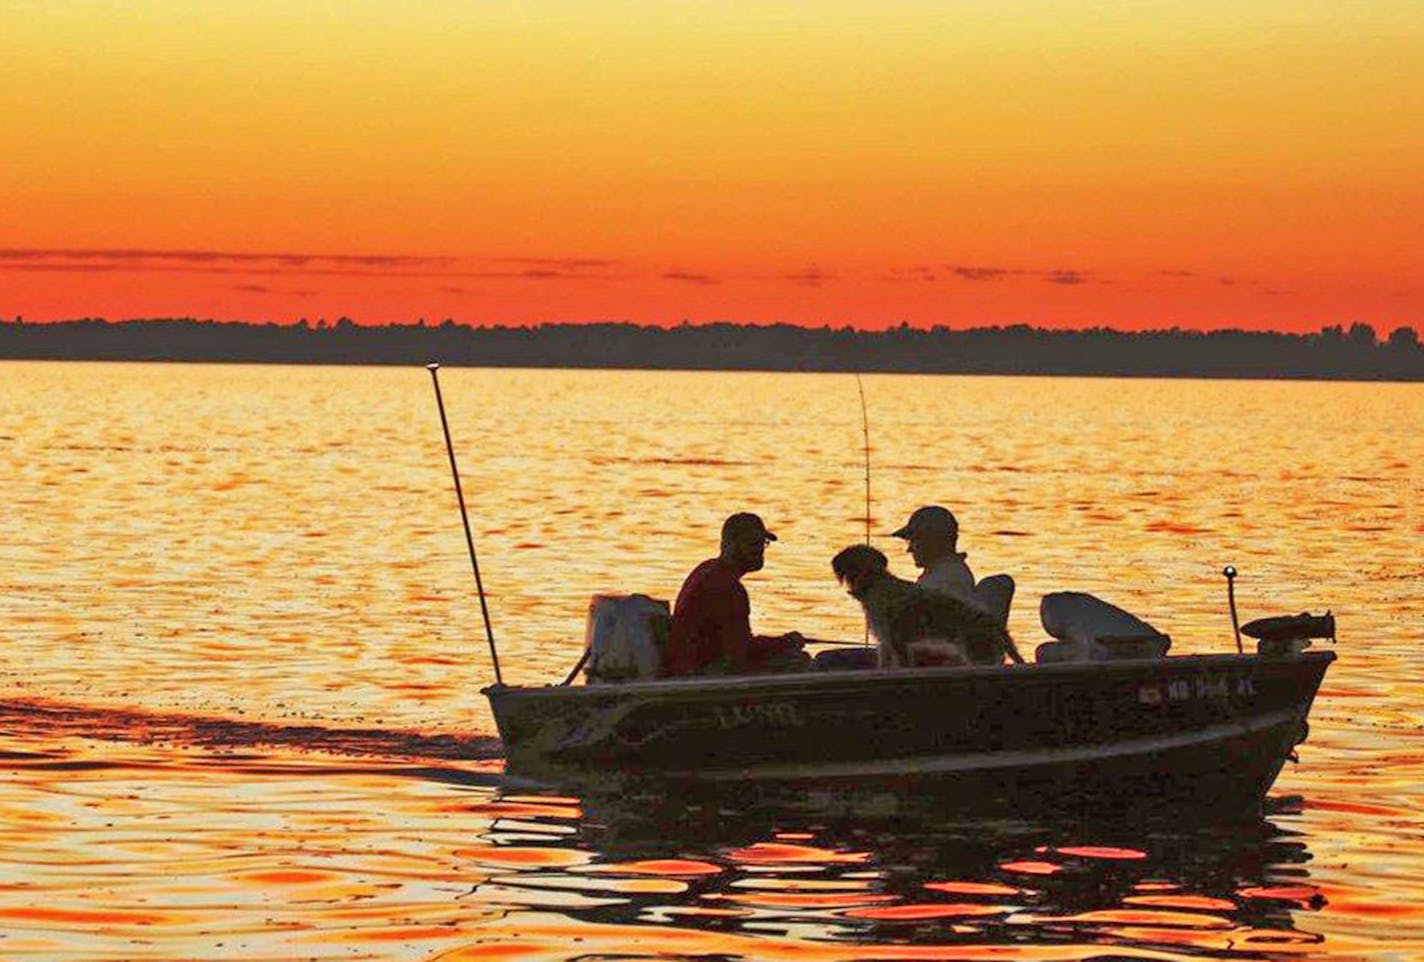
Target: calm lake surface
{"x":242,"y":653}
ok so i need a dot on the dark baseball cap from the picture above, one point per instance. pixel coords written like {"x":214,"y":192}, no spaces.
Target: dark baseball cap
{"x":745,"y":525}
{"x":929,"y":520}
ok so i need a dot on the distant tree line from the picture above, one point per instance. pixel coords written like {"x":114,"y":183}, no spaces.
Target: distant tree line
{"x":1335,"y":352}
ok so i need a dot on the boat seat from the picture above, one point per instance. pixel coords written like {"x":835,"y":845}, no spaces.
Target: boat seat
{"x":995,"y":594}
{"x":1086,"y":628}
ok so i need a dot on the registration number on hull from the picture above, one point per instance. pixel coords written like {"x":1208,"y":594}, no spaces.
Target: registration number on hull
{"x":1190,"y":689}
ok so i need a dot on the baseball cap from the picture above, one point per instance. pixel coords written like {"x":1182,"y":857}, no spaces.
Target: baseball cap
{"x":930,"y":519}
{"x":744,"y":524}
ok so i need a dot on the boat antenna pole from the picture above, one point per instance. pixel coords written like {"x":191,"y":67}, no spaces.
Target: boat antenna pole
{"x":1230,"y":572}
{"x":464,"y":517}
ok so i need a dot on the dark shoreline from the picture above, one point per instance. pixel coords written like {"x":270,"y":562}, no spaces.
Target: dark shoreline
{"x":1334,"y":353}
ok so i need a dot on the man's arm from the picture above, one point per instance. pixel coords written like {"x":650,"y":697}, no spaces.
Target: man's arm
{"x":736,"y":627}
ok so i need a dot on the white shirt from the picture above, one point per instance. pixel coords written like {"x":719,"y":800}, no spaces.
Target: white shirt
{"x":950,"y":576}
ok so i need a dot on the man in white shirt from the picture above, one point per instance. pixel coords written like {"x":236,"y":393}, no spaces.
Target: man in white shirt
{"x":933,"y":536}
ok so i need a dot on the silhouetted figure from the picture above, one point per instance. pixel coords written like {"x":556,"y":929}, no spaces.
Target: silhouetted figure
{"x":711,"y":620}
{"x":932,"y":534}
{"x":915,"y":625}
{"x":932,"y":539}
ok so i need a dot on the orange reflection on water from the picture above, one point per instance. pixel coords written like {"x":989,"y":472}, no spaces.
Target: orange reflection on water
{"x":394,"y":933}
{"x":1102,"y":851}
{"x":288,"y":877}
{"x":805,"y":900}
{"x":775,"y":853}
{"x":1176,"y":527}
{"x":1031,"y":867}
{"x":486,"y":952}
{"x":1302,"y":895}
{"x":1274,"y":940}
{"x":973,"y":888}
{"x":661,"y":866}
{"x":1357,"y":808}
{"x":800,"y":883}
{"x":87,"y":918}
{"x":614,"y":941}
{"x":517,"y":857}
{"x":1181,"y":902}
{"x":1134,"y":917}
{"x":521,"y":809}
{"x":911,"y":912}
{"x":647,"y":886}
{"x":1366,"y":906}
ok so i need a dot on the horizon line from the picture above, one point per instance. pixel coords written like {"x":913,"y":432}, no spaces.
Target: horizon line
{"x":903,"y":325}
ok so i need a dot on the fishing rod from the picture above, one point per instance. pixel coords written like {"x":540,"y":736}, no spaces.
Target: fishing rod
{"x":865,"y":433}
{"x":465,"y":518}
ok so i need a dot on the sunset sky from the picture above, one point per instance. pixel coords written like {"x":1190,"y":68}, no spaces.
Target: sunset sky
{"x":1185,"y":162}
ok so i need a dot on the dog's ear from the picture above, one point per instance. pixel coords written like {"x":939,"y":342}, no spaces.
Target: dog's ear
{"x":875,"y":559}
{"x":857,"y":562}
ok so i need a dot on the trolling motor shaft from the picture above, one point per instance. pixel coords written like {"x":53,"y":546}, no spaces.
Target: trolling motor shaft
{"x":1230,"y":572}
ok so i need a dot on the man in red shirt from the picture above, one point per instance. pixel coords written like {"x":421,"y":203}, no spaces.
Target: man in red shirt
{"x":711,"y":630}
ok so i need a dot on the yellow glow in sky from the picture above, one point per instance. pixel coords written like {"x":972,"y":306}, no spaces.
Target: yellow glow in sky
{"x":1198,"y":163}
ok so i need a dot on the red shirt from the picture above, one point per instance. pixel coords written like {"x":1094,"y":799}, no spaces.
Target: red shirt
{"x":711,"y":622}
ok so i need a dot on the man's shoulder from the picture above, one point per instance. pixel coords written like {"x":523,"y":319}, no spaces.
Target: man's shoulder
{"x":951,"y":574}
{"x":705,"y":569}
{"x":714,"y":574}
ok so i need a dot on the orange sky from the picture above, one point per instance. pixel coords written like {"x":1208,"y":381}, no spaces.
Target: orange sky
{"x":1197,"y":163}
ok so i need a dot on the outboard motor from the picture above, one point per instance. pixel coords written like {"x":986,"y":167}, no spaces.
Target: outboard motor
{"x":624,"y":638}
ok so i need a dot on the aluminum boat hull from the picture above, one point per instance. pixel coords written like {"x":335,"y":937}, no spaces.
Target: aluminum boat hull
{"x":1196,"y":732}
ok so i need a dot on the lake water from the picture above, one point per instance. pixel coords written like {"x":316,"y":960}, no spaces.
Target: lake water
{"x":242,"y":653}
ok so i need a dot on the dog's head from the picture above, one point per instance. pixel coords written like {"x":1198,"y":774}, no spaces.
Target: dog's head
{"x":859,"y":566}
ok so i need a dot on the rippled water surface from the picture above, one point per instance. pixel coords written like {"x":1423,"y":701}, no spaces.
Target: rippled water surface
{"x":241,"y":660}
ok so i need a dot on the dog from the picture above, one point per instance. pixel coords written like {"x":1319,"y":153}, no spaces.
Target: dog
{"x":916,"y":624}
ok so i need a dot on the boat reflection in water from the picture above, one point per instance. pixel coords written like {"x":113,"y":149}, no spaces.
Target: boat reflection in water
{"x":758,"y":883}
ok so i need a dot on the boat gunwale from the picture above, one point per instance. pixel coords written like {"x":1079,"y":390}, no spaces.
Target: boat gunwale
{"x":891,"y":676}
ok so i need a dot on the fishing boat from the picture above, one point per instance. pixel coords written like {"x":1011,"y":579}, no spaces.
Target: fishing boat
{"x":1104,"y":719}
{"x":1196,"y":732}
